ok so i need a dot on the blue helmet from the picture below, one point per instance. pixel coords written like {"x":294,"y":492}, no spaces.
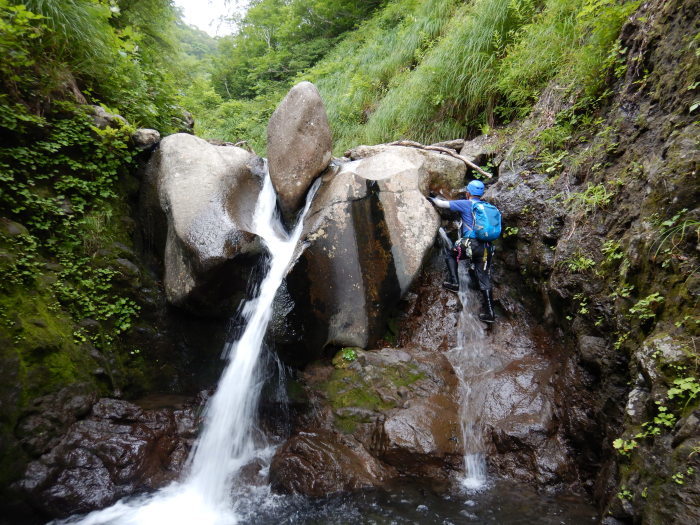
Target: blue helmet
{"x":475,"y":187}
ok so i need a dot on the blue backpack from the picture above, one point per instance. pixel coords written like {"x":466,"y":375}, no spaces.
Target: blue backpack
{"x":487,"y":221}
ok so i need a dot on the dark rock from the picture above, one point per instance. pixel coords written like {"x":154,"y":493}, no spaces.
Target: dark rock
{"x":129,"y":272}
{"x":391,"y":412}
{"x":299,"y":145}
{"x":51,"y":415}
{"x":11,"y":228}
{"x":320,"y":463}
{"x":119,"y":449}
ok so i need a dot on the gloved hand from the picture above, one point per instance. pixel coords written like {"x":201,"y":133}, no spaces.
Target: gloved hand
{"x":431,"y":199}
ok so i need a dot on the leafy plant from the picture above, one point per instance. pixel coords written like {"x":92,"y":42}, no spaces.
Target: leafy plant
{"x":579,"y":263}
{"x":593,"y":197}
{"x":645,"y":308}
{"x":687,"y":388}
{"x":625,"y":446}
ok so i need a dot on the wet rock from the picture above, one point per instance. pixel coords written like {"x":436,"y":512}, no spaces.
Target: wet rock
{"x":367,"y":233}
{"x":118,"y":450}
{"x":320,"y":463}
{"x":145,"y":138}
{"x":42,"y":425}
{"x":422,"y":439}
{"x":204,"y":197}
{"x":298,"y":145}
{"x":391,"y":412}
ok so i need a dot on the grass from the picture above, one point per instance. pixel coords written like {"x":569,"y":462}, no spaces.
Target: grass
{"x":431,"y":70}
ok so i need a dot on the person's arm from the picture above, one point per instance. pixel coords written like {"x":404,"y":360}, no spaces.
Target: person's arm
{"x":439,"y":203}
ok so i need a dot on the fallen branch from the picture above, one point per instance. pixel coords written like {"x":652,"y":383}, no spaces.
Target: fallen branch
{"x":412,"y":144}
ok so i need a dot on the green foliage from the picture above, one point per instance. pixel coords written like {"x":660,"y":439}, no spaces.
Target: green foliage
{"x":579,"y":263}
{"x":612,"y":250}
{"x":426,"y":70}
{"x":593,"y":197}
{"x":685,"y":388}
{"x":645,"y":308}
{"x":624,"y":446}
{"x":59,"y":180}
{"x":119,"y":53}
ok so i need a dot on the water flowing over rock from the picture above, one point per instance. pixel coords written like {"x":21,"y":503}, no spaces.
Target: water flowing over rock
{"x":365,"y":239}
{"x":206,"y":196}
{"x":298,"y":145}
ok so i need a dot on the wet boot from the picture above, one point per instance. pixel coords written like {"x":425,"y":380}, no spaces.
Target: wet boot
{"x":487,"y":315}
{"x":452,"y":282}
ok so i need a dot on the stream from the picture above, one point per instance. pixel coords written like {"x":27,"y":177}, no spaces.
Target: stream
{"x":215,"y":489}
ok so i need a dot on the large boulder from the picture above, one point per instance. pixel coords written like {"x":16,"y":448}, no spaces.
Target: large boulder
{"x":445,"y":171}
{"x":115,"y":451}
{"x":320,"y":463}
{"x":299,"y":145}
{"x":371,"y":417}
{"x":204,"y":197}
{"x":364,"y":240}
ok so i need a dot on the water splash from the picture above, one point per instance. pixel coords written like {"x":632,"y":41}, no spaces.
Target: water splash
{"x":207,"y":495}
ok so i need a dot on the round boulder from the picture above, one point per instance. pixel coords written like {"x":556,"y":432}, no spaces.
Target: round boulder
{"x":204,"y":197}
{"x":298,"y":145}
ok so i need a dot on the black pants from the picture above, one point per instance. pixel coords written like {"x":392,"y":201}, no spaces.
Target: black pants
{"x":479,"y":255}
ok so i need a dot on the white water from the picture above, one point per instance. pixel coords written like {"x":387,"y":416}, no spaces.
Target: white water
{"x":472,"y":363}
{"x":205,"y":496}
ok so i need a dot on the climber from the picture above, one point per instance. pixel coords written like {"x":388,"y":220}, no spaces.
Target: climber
{"x":478,"y":253}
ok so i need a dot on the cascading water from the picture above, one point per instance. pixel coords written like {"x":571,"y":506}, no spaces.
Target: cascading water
{"x":471,"y":360}
{"x":227,"y":442}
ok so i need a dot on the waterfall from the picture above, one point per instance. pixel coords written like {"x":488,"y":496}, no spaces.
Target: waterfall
{"x":227,"y":441}
{"x":471,"y":360}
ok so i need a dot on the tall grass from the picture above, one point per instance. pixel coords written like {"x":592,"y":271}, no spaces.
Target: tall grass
{"x":430,"y":70}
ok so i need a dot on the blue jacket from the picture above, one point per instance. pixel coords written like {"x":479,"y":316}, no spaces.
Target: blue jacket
{"x":464,"y":208}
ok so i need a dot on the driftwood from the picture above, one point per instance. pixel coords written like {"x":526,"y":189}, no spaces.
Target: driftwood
{"x":412,"y":144}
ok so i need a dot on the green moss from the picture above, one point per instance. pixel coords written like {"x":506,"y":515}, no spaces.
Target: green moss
{"x":345,"y":424}
{"x":404,"y":375}
{"x":346,"y":388}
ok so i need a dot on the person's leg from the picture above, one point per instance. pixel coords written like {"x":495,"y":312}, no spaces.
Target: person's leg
{"x":452,"y":282}
{"x":482,"y":255}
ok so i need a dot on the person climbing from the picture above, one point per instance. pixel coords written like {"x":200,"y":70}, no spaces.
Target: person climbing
{"x":468,"y":247}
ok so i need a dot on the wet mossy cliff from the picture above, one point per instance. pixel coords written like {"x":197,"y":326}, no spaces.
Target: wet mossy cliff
{"x":601,"y":240}
{"x":82,"y":311}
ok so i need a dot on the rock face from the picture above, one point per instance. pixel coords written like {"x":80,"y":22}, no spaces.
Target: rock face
{"x":516,"y":397}
{"x":445,"y":172}
{"x":299,"y":145}
{"x":367,"y":233}
{"x":205,"y":197}
{"x":117,"y":450}
{"x":384,"y":414}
